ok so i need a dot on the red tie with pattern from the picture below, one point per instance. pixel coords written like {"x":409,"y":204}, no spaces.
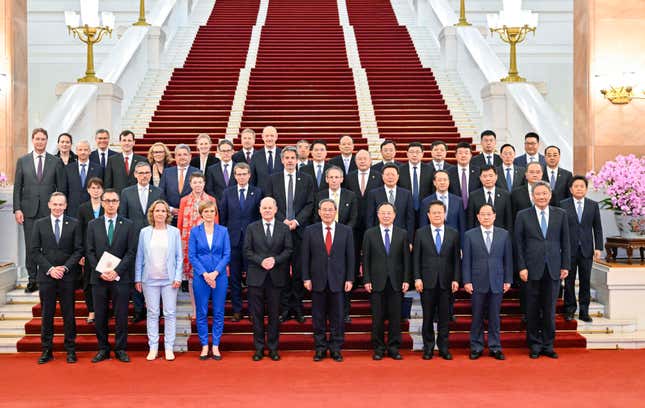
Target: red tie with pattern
{"x":328,"y":241}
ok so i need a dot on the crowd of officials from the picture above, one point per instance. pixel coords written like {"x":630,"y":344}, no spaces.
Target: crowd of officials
{"x":282,"y":221}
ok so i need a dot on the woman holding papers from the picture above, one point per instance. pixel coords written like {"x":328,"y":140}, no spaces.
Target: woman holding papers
{"x":158,"y":270}
{"x":209,"y":251}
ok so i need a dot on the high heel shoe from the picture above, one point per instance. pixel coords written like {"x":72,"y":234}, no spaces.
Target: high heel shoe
{"x":204,"y":356}
{"x":216,"y":356}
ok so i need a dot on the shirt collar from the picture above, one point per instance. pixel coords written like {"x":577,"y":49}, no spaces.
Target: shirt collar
{"x":487,"y":229}
{"x":56,"y":218}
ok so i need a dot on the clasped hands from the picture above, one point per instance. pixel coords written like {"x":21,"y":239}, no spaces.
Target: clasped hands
{"x":418,"y":285}
{"x":404,"y":287}
{"x":210,"y":277}
{"x":307,"y":284}
{"x":292,"y":224}
{"x":139,"y":286}
{"x":109,"y":276}
{"x":524,"y":274}
{"x":469,"y":287}
{"x":57,"y":272}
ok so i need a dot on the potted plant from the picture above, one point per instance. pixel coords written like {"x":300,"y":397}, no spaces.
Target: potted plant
{"x":623,"y":180}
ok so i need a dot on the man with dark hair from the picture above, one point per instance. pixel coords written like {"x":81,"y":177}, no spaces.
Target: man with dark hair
{"x":388,"y":153}
{"x":119,"y":172}
{"x":345,"y":160}
{"x":558,"y":178}
{"x":102,"y":153}
{"x":316,"y":169}
{"x":585,"y":230}
{"x":510,"y":175}
{"x":220,"y":176}
{"x":531,"y":146}
{"x":487,"y":155}
{"x":303,"y":148}
{"x":245,"y":154}
{"x":455,"y":214}
{"x":464,"y":177}
{"x":416,"y":176}
{"x":175,"y":182}
{"x":489,"y":194}
{"x":266,"y":160}
{"x":38,"y":175}
{"x":438,"y":151}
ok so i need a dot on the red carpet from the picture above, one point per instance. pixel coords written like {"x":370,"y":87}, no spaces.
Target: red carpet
{"x":590,"y":378}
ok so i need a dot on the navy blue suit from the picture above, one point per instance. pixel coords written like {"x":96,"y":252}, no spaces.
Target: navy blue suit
{"x":215,"y":183}
{"x":455,"y":218}
{"x":487,"y":272}
{"x":169,"y":185}
{"x":95,"y":158}
{"x":76,"y":191}
{"x":522,"y":160}
{"x":260,"y":169}
{"x":236,"y":219}
{"x":404,"y":209}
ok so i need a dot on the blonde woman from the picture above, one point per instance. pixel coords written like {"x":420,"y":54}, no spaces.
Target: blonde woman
{"x":159,"y":157}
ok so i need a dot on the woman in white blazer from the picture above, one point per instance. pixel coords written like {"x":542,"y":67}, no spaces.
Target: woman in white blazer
{"x":158,"y":271}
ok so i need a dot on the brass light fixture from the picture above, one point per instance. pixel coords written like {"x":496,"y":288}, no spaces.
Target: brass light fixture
{"x":512,"y":24}
{"x":618,"y":88}
{"x":462,"y":15}
{"x":90,"y":28}
{"x":142,"y":15}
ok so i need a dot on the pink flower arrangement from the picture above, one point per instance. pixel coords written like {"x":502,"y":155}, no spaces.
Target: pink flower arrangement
{"x":623,"y":180}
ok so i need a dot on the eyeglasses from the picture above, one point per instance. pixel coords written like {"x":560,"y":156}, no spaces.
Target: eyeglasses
{"x":115,"y":201}
{"x":226,"y":151}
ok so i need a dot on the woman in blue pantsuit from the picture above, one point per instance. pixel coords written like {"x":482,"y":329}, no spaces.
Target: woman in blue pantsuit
{"x":209,"y":251}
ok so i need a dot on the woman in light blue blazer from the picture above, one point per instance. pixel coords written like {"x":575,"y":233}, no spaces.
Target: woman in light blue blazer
{"x":158,"y":270}
{"x":209,"y":251}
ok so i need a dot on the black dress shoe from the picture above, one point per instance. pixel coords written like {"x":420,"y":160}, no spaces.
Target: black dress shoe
{"x":524,"y":319}
{"x":258,"y":355}
{"x":497,"y":355}
{"x":71,"y":357}
{"x":273,"y":354}
{"x":377,"y":356}
{"x":300,"y":318}
{"x":453,"y":318}
{"x":534,"y":354}
{"x":549,"y":353}
{"x":101,"y":355}
{"x":284,"y":317}
{"x":184,"y":286}
{"x":45,"y":357}
{"x":474,"y":355}
{"x":348,"y":319}
{"x":236,"y":317}
{"x":586,"y":318}
{"x":568,"y":317}
{"x":31,"y":287}
{"x":445,"y":355}
{"x":395,"y":355}
{"x":336,"y":356}
{"x":122,"y":356}
{"x":139,"y":317}
{"x":427,"y":355}
{"x":319,"y":355}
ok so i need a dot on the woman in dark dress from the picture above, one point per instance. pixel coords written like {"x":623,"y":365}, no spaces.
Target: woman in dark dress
{"x":65,"y":152}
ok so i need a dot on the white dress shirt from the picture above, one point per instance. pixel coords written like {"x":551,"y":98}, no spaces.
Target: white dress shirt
{"x":271,"y":226}
{"x":44,"y":155}
{"x":434,"y":232}
{"x":390,"y":231}
{"x":492,"y":194}
{"x":387,"y":193}
{"x":266,"y":154}
{"x":60,"y":223}
{"x":539,"y":214}
{"x":460,"y":171}
{"x":324,"y":230}
{"x":286,"y":184}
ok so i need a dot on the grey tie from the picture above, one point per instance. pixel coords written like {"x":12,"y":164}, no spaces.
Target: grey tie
{"x":488,"y":159}
{"x":490,"y":198}
{"x":268,"y":232}
{"x":57,"y":230}
{"x":290,"y":214}
{"x":390,"y":197}
{"x":579,"y":211}
{"x":488,"y":241}
{"x":39,"y":172}
{"x":143,"y":197}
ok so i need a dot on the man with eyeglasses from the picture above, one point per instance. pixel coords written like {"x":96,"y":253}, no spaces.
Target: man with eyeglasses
{"x":102,"y":153}
{"x":220,"y":175}
{"x":531,"y":146}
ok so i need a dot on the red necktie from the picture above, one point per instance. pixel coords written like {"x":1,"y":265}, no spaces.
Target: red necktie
{"x":127,"y":165}
{"x":328,"y":241}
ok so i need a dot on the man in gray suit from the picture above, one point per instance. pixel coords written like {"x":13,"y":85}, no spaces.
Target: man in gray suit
{"x":38,"y":175}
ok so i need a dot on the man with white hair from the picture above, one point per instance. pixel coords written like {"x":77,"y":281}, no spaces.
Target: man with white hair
{"x":77,"y":175}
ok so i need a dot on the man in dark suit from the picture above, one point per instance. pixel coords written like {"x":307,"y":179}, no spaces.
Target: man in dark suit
{"x":464,"y":177}
{"x":487,"y":155}
{"x":56,"y":245}
{"x":437,"y":271}
{"x":387,"y":274}
{"x":38,"y":175}
{"x":119,"y":172}
{"x":543,"y":256}
{"x":416,"y":176}
{"x":317,"y":167}
{"x":490,"y":194}
{"x":488,"y":273}
{"x":76,"y":176}
{"x":204,"y":158}
{"x":328,"y":273}
{"x":438,"y":151}
{"x":245,"y":154}
{"x":345,"y":160}
{"x":294,"y":195}
{"x":265,"y":161}
{"x":175,"y":182}
{"x":399,"y":197}
{"x":115,"y":235}
{"x":522,"y":196}
{"x":303,"y":148}
{"x":531,"y":146}
{"x":510,"y":176}
{"x":220,"y":176}
{"x":268,"y":249}
{"x":558,"y":178}
{"x":102,"y":153}
{"x":585,"y":231}
{"x":455,"y":214}
{"x":388,"y":153}
{"x":239,"y":207}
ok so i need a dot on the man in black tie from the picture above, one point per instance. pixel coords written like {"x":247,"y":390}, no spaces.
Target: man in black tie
{"x":522,"y":196}
{"x":490,"y":194}
{"x":511,"y":176}
{"x":543,"y":256}
{"x":119,"y":172}
{"x":268,"y":249}
{"x":317,"y":167}
{"x":585,"y":230}
{"x":464,"y":177}
{"x":245,"y":154}
{"x":266,"y":161}
{"x":487,"y":155}
{"x":345,"y":160}
{"x":436,"y":264}
{"x":416,"y":176}
{"x":57,"y":247}
{"x":328,"y":273}
{"x":76,"y":176}
{"x":387,"y":274}
{"x":102,"y":153}
{"x":220,"y":175}
{"x":304,"y":150}
{"x":558,"y":178}
{"x":38,"y":175}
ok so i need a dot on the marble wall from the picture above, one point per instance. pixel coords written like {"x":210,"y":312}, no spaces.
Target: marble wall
{"x":608,"y":42}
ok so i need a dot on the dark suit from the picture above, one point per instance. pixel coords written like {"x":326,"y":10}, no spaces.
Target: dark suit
{"x":265,"y":286}
{"x":303,"y":206}
{"x":543,"y":258}
{"x":403,"y":204}
{"x":169,"y":185}
{"x":501,"y":203}
{"x":328,"y":274}
{"x":479,"y":160}
{"x":85,"y":215}
{"x":585,"y":236}
{"x":236,"y":219}
{"x":76,"y":190}
{"x":520,"y":199}
{"x":454,"y":176}
{"x":47,"y":253}
{"x":260,"y":169}
{"x":347,"y":206}
{"x":424,"y":179}
{"x":311,"y":170}
{"x":95,"y":158}
{"x":437,"y":271}
{"x":487,"y":272}
{"x":379,"y":166}
{"x":386,"y":272}
{"x":215,"y":182}
{"x":124,"y":246}
{"x":522,"y":160}
{"x":518,"y":177}
{"x":31,"y":195}
{"x":210,"y":160}
{"x":455,"y":217}
{"x":561,"y":189}
{"x":115,"y":176}
{"x":130,"y":205}
{"x":338,"y":162}
{"x":240,"y":156}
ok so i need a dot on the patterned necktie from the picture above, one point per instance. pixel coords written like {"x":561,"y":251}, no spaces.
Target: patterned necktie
{"x":110,"y":231}
{"x":290,"y":214}
{"x":543,"y":224}
{"x":530,"y":159}
{"x":226,"y":176}
{"x":318,"y":174}
{"x":387,"y":241}
{"x":390,"y":197}
{"x":464,"y":188}
{"x":488,"y":160}
{"x":579,"y":211}
{"x":268,"y":232}
{"x":444,"y":201}
{"x":509,"y":179}
{"x":346,"y":165}
{"x":437,"y":240}
{"x":270,"y":162}
{"x":334,"y":196}
{"x":363,"y":184}
{"x":242,"y":199}
{"x":415,"y":188}
{"x":83,"y":174}
{"x":248,"y":156}
{"x":103,"y":160}
{"x":328,"y":241}
{"x":552,"y":180}
{"x":127,"y":165}
{"x":39,"y":172}
{"x":490,"y":198}
{"x":57,"y":230}
{"x":489,"y":242}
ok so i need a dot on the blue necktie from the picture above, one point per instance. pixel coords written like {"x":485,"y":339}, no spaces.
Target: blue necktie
{"x":319,"y":174}
{"x":83,"y":174}
{"x":226,"y":176}
{"x":415,"y":188}
{"x":488,"y":160}
{"x":579,"y":211}
{"x":543,"y":224}
{"x":509,"y":180}
{"x":489,"y":242}
{"x":57,"y":230}
{"x":387,"y":241}
{"x":103,"y":160}
{"x":242,"y":198}
{"x":437,"y":240}
{"x":552,"y":180}
{"x":290,"y":213}
{"x":270,"y":162}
